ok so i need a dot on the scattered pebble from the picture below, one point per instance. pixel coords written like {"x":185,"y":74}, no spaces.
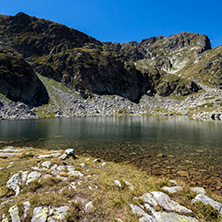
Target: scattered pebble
{"x":82,"y":164}
{"x":44,"y":156}
{"x":63,"y":157}
{"x":117,"y":183}
{"x":46,"y":164}
{"x":96,"y":160}
{"x":89,"y":206}
{"x":172,"y":189}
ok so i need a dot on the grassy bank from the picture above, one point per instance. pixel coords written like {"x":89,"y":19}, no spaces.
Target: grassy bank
{"x":95,"y":184}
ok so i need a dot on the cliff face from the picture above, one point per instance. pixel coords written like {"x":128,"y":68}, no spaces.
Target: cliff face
{"x":88,"y":66}
{"x":18,"y":81}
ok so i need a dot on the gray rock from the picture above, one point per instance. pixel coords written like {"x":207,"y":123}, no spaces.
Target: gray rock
{"x":60,"y":168}
{"x":117,"y":183}
{"x":207,"y":200}
{"x":8,"y":154}
{"x":62,"y":178}
{"x":55,"y":169}
{"x":46,"y":176}
{"x":36,"y":168}
{"x":89,"y":206}
{"x":24,"y":176}
{"x":97,"y":160}
{"x":131,"y":187}
{"x":173,"y":182}
{"x":137,"y":210}
{"x":55,"y":154}
{"x":71,"y":169}
{"x":26,"y":207}
{"x":58,"y":214}
{"x":148,"y":198}
{"x":118,"y":220}
{"x":172,"y":189}
{"x":13,"y":183}
{"x":173,"y":217}
{"x":73,"y":185}
{"x":73,"y":172}
{"x":40,"y":214}
{"x":63,"y":157}
{"x":147,"y":218}
{"x":12,"y":149}
{"x":33,"y":176}
{"x":164,"y":201}
{"x":4,"y":218}
{"x":199,"y":190}
{"x":82,"y":164}
{"x":46,"y":164}
{"x":14,"y":213}
{"x":44,"y":156}
{"x":102,"y":165}
{"x":70,"y":152}
{"x":140,"y":212}
{"x":6,"y":202}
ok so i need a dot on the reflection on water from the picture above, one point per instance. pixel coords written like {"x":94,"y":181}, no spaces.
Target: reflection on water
{"x":174,"y":147}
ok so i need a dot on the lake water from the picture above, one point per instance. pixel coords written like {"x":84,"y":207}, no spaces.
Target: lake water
{"x":175,"y":147}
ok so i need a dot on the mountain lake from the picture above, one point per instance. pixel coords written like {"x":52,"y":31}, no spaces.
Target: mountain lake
{"x":175,"y":147}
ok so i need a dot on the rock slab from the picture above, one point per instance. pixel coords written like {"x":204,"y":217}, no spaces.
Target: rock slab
{"x":207,"y":200}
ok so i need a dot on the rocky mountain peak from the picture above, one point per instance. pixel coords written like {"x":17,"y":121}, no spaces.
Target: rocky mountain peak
{"x":90,"y":67}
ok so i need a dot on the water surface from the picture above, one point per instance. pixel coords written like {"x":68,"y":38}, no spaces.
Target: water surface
{"x":170,"y":146}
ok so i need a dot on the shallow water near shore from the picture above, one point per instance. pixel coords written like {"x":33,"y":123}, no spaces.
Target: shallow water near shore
{"x":175,"y":147}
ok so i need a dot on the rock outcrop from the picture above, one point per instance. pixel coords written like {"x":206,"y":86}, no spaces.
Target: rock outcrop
{"x":89,"y":67}
{"x":18,"y":81}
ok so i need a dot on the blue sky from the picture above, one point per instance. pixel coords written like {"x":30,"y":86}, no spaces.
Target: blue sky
{"x":127,"y":20}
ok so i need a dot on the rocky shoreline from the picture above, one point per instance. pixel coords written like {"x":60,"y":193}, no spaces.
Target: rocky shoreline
{"x":58,"y":185}
{"x":201,"y":106}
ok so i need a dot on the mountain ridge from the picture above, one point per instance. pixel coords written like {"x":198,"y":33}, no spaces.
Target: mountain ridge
{"x":154,"y":66}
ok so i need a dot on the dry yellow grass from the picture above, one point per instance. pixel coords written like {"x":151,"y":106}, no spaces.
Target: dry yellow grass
{"x":97,"y":185}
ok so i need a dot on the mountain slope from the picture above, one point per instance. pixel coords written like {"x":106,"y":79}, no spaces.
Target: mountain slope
{"x":158,"y":66}
{"x":18,"y":81}
{"x":206,"y":68}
